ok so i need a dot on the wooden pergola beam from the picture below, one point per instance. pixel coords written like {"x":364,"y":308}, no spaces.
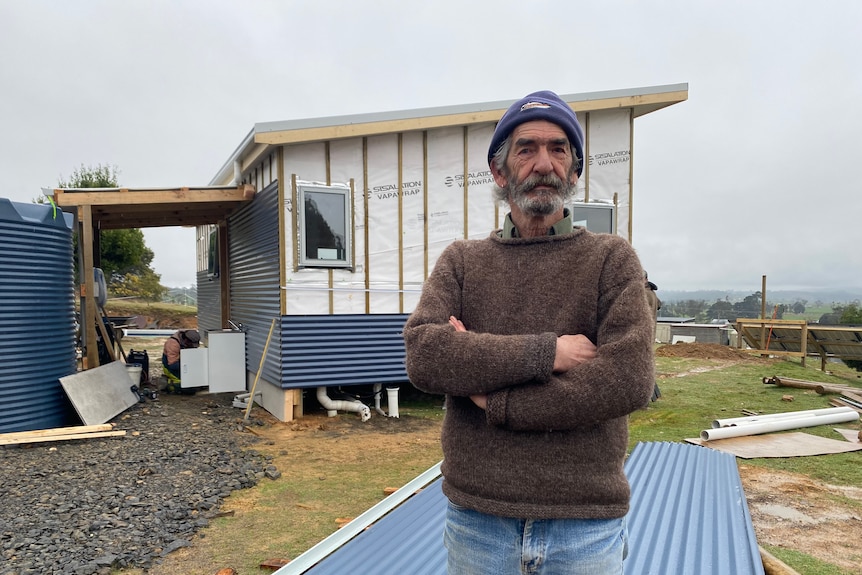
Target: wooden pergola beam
{"x":133,"y":197}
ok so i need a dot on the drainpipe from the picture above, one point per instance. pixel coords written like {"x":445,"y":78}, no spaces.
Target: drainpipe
{"x":237,"y":172}
{"x":377,"y":388}
{"x":332,"y":405}
{"x":391,"y":400}
{"x":734,"y":421}
{"x":778,"y":424}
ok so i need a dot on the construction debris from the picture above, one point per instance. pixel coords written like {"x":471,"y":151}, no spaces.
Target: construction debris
{"x":755,"y":425}
{"x":60,"y":434}
{"x":817,"y":386}
{"x":273,"y":564}
{"x":848,"y":399}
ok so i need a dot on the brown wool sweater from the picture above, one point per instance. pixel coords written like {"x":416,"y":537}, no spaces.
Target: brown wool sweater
{"x":549,"y":445}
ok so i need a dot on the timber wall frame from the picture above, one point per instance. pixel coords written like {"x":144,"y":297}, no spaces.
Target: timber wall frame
{"x":797,"y":338}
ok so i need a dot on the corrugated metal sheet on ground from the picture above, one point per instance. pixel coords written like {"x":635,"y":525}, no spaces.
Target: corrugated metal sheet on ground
{"x":350,"y":349}
{"x":688,"y":516}
{"x":688,"y":513}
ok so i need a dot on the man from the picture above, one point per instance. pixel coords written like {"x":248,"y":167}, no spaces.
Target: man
{"x":181,"y":339}
{"x":652,"y":298}
{"x":654,"y":304}
{"x":539,"y":336}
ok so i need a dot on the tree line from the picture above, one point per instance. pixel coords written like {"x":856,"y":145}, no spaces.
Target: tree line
{"x":751,"y":307}
{"x":125,"y":258}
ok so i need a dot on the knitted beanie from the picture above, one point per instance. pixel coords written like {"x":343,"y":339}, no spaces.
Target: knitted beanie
{"x":544,"y":105}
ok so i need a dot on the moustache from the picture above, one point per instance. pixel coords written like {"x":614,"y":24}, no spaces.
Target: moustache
{"x":533,"y":181}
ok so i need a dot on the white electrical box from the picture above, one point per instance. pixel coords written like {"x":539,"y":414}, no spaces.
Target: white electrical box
{"x":226,"y":361}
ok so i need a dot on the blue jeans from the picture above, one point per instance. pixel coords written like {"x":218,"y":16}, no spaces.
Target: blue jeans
{"x":481,"y":544}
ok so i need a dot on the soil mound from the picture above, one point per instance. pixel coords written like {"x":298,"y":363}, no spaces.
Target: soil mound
{"x":703,"y":351}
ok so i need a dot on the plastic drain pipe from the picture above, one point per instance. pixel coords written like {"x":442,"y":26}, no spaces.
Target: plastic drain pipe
{"x":773,"y":416}
{"x":391,"y":400}
{"x":332,"y":406}
{"x":778,"y":424}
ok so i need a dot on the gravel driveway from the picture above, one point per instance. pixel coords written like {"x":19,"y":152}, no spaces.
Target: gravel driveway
{"x":87,"y":506}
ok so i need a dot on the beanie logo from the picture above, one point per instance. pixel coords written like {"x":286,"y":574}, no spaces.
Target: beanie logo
{"x":531,"y":105}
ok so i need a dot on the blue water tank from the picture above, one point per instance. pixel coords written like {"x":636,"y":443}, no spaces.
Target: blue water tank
{"x":37,"y":316}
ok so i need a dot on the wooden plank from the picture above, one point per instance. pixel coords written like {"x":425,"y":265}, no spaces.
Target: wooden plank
{"x":772,"y":565}
{"x":113,"y":196}
{"x":57,"y":431}
{"x":826,"y":389}
{"x":67,"y":437}
{"x":839,"y":402}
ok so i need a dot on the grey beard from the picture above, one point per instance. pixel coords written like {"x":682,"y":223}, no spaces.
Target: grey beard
{"x":547,"y":202}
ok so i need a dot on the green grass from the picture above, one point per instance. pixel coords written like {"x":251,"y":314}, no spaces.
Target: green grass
{"x":803,"y":563}
{"x":689,"y":404}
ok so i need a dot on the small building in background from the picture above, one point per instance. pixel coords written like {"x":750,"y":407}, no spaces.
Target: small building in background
{"x":663,"y":327}
{"x":350,"y":213}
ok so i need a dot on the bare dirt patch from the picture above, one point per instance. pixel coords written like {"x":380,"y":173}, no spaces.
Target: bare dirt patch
{"x":797,"y":512}
{"x":705,"y":351}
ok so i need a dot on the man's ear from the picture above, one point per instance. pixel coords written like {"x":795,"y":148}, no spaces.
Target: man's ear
{"x":499,"y":177}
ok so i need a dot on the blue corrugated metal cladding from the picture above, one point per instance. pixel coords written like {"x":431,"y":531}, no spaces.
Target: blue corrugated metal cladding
{"x":37,"y":316}
{"x":328,"y":350}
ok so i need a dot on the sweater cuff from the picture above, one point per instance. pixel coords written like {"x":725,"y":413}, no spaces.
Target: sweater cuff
{"x":495,"y":410}
{"x":546,"y":353}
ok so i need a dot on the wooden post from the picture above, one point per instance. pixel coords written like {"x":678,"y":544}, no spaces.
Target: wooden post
{"x":763,"y":314}
{"x":88,"y":288}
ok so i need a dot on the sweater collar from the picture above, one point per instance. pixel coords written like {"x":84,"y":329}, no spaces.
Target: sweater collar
{"x":563,"y":226}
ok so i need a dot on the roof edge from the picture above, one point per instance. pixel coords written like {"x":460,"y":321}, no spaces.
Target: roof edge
{"x":643,"y":100}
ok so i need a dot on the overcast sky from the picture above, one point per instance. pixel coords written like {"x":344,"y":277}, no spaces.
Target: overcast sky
{"x":756,"y":174}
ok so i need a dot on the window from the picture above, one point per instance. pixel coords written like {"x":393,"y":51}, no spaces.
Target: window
{"x":213,"y":255}
{"x":324,"y":226}
{"x":596,"y":217}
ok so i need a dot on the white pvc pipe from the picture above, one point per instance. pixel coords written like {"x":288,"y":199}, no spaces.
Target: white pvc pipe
{"x":377,"y":388}
{"x":768,"y":417}
{"x":332,"y":406}
{"x":392,"y":401}
{"x":779,"y":424}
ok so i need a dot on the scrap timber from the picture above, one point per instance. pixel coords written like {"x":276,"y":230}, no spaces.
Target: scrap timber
{"x":60,"y":434}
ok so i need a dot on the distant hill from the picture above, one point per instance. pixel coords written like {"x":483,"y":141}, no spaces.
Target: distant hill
{"x":778,"y":296}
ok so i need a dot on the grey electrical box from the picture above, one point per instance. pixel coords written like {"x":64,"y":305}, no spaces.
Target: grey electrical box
{"x":596,"y":217}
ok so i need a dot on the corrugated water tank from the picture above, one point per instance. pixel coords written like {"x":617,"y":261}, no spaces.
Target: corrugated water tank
{"x":37,"y":316}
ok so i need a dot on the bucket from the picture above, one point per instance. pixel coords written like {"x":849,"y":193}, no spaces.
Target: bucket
{"x":134,"y":370}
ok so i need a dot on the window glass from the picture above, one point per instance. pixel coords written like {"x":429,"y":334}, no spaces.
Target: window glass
{"x":324,"y":226}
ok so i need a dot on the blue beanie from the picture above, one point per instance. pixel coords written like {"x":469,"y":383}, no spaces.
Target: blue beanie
{"x":544,"y":105}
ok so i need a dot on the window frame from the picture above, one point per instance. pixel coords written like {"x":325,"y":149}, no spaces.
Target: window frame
{"x":304,"y":189}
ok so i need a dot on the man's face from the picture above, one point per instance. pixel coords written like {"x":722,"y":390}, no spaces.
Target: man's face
{"x":539,"y":174}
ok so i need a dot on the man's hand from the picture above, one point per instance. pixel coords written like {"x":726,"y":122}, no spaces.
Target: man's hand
{"x":572,"y":350}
